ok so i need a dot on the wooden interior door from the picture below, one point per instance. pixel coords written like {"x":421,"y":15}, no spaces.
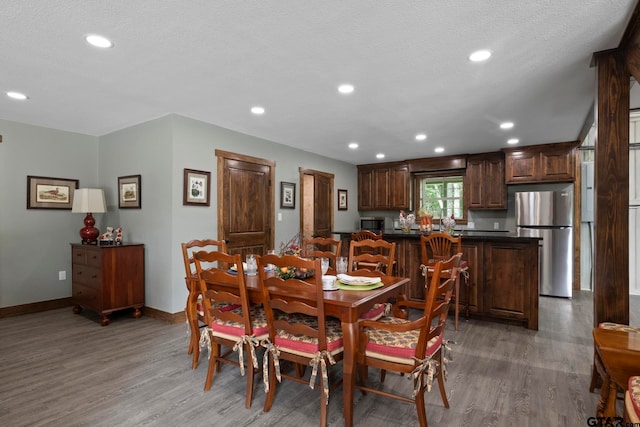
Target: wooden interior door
{"x":316,"y":193}
{"x":245,"y":203}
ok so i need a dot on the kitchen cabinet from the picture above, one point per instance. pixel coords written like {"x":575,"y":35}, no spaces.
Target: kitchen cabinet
{"x":485,"y":186}
{"x":107,"y":278}
{"x":383,"y":186}
{"x":541,"y":163}
{"x":503,"y":274}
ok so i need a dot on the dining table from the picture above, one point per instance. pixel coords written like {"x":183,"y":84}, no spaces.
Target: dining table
{"x":348,"y":306}
{"x":619,"y":353}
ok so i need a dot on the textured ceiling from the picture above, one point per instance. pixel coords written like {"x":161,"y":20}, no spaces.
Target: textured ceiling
{"x":213,"y":60}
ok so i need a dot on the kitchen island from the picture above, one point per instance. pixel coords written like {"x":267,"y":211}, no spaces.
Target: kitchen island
{"x":503,"y":272}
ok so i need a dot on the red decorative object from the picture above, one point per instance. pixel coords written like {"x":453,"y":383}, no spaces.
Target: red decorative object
{"x":89,"y":233}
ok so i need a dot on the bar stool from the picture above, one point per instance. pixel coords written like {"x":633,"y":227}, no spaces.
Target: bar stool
{"x":440,"y":247}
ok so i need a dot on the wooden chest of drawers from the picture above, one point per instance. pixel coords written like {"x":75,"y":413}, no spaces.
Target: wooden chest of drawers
{"x":107,"y":278}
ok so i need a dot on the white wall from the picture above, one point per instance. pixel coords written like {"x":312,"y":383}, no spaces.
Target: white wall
{"x":34,"y":243}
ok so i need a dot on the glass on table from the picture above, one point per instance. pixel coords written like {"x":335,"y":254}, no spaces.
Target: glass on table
{"x":325,"y":265}
{"x":271,"y":267}
{"x":252,"y":265}
{"x":341,"y":265}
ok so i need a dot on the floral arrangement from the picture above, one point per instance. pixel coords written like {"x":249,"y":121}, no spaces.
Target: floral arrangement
{"x":406,"y":220}
{"x":291,"y":247}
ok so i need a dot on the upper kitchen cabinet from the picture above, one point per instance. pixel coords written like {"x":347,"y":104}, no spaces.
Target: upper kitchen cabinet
{"x":383,"y":186}
{"x":541,"y":163}
{"x":485,"y":186}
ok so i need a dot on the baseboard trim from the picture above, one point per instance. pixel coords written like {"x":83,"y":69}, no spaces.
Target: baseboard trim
{"x":154,"y":313}
{"x":35,"y":307}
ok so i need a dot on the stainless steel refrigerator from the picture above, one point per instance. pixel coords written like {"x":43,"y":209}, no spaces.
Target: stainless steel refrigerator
{"x":549,"y":214}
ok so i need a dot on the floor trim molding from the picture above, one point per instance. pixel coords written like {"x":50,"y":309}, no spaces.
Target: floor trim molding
{"x":178,"y":317}
{"x":35,"y":307}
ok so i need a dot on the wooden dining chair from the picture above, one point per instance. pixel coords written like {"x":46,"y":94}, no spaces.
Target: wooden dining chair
{"x":413,"y":347}
{"x":231,"y":320}
{"x":438,"y":247}
{"x":299,"y":331}
{"x":193,"y":308}
{"x":378,"y":255}
{"x":323,"y":247}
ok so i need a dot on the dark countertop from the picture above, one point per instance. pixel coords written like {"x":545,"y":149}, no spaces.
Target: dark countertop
{"x":479,"y":235}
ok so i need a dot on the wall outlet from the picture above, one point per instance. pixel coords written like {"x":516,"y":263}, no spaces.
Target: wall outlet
{"x":279,"y":216}
{"x":496,"y":225}
{"x":62,"y":275}
{"x":471,"y":224}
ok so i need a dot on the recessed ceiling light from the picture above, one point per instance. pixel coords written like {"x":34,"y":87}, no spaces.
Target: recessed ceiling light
{"x":353,"y":145}
{"x":345,"y":88}
{"x":98,"y":41}
{"x":480,"y":55}
{"x":380,"y":156}
{"x":421,"y":137}
{"x":17,"y":95}
{"x":506,"y":125}
{"x":513,"y":141}
{"x":439,"y":149}
{"x":257,"y":110}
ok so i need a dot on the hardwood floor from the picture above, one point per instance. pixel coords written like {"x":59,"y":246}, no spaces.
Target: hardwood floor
{"x":61,"y":369}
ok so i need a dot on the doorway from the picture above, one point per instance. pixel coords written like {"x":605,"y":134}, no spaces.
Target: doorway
{"x":316,"y":207}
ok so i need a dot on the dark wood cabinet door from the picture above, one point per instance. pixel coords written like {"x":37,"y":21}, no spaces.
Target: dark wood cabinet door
{"x":521,"y":167}
{"x":381,"y":188}
{"x":365,"y":189}
{"x":495,"y":189}
{"x":474,"y":180}
{"x":504,"y":279}
{"x":557,"y":165}
{"x":399,"y":187}
{"x":472,"y":253}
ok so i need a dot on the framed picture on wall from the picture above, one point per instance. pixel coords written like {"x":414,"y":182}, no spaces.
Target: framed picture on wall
{"x":342,"y":200}
{"x":50,"y":193}
{"x":129,"y":192}
{"x":196,"y":190}
{"x":287,"y":195}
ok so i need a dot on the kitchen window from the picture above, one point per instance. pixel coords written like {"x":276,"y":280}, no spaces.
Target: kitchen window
{"x":442,"y":195}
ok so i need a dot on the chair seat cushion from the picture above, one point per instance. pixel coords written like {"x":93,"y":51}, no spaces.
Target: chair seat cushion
{"x":376,"y":312}
{"x":632,"y":400}
{"x":305,"y":345}
{"x":399,"y":347}
{"x":618,"y":327}
{"x":220,"y":306}
{"x":232,"y":329}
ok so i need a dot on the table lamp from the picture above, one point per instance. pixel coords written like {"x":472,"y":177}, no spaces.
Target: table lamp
{"x":89,"y":201}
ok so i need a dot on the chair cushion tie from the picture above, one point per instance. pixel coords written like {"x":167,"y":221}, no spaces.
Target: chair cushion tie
{"x":205,"y":339}
{"x":275,"y":352}
{"x":319,"y":357}
{"x":252,"y":342}
{"x":447,"y":356}
{"x":427,"y":365}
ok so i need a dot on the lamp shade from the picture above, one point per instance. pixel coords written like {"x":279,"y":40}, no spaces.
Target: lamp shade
{"x":87,"y":200}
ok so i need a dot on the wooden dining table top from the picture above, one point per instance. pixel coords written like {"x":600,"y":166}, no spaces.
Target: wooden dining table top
{"x":620,"y":353}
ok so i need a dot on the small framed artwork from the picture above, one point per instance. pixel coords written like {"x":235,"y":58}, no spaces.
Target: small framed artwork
{"x":50,"y":193}
{"x":129,"y":192}
{"x":287,"y":195}
{"x":196,"y":188}
{"x":342,"y":200}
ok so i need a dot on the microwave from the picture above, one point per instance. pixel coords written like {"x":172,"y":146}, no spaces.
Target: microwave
{"x":372,"y":223}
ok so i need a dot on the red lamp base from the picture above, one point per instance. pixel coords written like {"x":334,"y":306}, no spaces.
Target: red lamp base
{"x":89,"y":233}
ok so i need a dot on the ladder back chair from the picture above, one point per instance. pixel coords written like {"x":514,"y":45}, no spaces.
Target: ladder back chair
{"x":299,"y":331}
{"x":414,"y":347}
{"x":323,"y":247}
{"x":377,"y":255}
{"x":231,"y":320}
{"x":193,"y":309}
{"x":438,"y":247}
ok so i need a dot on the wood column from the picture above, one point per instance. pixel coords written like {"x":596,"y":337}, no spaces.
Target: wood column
{"x":611,"y":259}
